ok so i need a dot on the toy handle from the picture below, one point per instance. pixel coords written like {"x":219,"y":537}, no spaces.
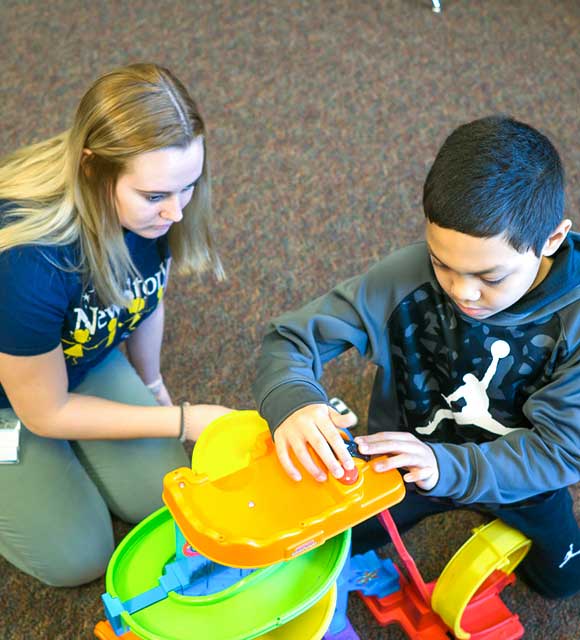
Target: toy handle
{"x":386,"y":519}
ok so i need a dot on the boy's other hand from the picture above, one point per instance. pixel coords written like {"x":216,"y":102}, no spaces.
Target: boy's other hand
{"x":314,"y":425}
{"x":405,"y":451}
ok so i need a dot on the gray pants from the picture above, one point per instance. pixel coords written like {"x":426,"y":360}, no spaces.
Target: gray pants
{"x":55,"y":505}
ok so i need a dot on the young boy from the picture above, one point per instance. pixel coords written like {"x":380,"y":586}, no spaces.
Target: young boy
{"x":476,"y":337}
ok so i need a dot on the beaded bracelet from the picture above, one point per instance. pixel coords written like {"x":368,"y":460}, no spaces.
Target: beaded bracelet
{"x":182,"y":433}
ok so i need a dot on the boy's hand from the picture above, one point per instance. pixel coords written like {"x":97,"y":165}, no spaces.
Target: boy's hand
{"x":405,"y":452}
{"x":314,"y":425}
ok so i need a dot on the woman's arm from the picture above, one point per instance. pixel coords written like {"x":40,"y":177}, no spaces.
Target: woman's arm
{"x":144,"y":352}
{"x":37,"y":389}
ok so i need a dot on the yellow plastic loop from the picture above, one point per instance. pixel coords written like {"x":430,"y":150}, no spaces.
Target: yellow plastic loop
{"x":492,"y":546}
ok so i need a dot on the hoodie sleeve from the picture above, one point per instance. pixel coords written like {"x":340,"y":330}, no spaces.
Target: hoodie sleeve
{"x":298,"y":344}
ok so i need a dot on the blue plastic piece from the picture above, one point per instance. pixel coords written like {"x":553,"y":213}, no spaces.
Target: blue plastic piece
{"x":177,"y":575}
{"x":181,"y":544}
{"x":213,"y":578}
{"x":192,"y":575}
{"x":340,"y":622}
{"x":372,"y":575}
{"x":113,"y":610}
{"x":369,"y":574}
{"x":145,"y":599}
{"x":352,"y":446}
{"x":347,"y":433}
{"x":348,"y":633}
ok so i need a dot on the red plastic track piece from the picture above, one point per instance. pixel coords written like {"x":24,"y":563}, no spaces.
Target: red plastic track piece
{"x":486,"y":616}
{"x":415,"y":576}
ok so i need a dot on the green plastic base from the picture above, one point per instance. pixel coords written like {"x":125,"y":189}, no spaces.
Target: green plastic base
{"x":263,"y":601}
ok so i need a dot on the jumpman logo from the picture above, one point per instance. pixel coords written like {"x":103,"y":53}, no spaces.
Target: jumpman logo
{"x":474,"y":392}
{"x":569,"y":555}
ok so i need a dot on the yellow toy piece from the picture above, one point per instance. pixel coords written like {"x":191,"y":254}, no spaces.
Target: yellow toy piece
{"x":238,"y":507}
{"x":310,"y":625}
{"x":492,"y":546}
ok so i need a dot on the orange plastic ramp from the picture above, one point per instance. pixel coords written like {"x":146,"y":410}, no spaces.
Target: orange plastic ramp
{"x":238,"y":507}
{"x":104,"y":631}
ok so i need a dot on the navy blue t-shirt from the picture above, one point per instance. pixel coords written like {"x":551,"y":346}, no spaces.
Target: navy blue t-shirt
{"x":43,"y":304}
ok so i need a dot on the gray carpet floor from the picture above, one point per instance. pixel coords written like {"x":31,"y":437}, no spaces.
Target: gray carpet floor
{"x":323,"y":119}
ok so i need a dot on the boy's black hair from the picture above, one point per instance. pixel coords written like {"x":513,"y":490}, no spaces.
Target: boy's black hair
{"x":493,"y":176}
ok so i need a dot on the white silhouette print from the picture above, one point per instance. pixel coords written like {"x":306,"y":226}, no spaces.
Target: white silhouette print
{"x":476,"y":409}
{"x":569,"y":555}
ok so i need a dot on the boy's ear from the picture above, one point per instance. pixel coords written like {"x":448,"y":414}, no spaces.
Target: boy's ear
{"x":556,"y":238}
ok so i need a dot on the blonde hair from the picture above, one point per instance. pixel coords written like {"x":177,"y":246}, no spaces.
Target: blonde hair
{"x":61,"y":196}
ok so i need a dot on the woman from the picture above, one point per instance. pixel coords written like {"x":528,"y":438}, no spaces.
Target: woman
{"x":89,"y":223}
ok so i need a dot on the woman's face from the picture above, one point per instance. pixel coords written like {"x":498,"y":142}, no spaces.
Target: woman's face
{"x":151,"y":194}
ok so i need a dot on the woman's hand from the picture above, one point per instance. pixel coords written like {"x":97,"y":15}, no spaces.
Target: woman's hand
{"x":405,"y":451}
{"x":313,"y":425}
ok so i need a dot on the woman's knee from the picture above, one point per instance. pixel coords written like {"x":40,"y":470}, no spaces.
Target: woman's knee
{"x":132,"y":487}
{"x":64,"y":558}
{"x":75,"y":571}
{"x":68,"y":569}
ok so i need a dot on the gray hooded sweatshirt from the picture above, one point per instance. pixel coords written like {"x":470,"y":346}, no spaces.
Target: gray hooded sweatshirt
{"x":498,"y":400}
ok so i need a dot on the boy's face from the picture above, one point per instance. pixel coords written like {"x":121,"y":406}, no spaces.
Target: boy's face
{"x":482,"y":276}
